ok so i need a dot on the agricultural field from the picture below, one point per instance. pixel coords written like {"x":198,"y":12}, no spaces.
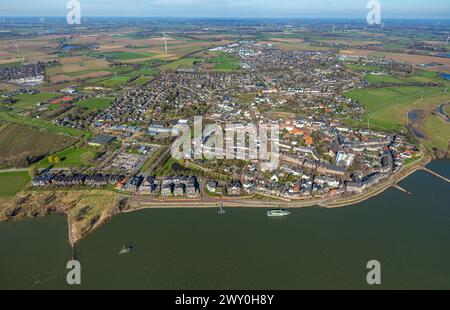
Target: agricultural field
{"x":20,"y":145}
{"x":123,"y":55}
{"x":96,"y":103}
{"x":31,"y":49}
{"x":113,"y":82}
{"x":224,"y":62}
{"x":10,"y":63}
{"x":362,"y":68}
{"x":78,"y":67}
{"x":142,"y":80}
{"x":437,"y":132}
{"x":39,"y":124}
{"x":182,"y":63}
{"x":387,"y":107}
{"x":421,"y":76}
{"x":12,"y":182}
{"x":301,"y":47}
{"x":381,"y":79}
{"x":24,"y":101}
{"x":216,"y":62}
{"x":5,"y":87}
{"x":414,"y":60}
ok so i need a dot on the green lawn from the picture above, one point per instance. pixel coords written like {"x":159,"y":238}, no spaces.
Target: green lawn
{"x":12,"y":182}
{"x":96,"y":103}
{"x":70,"y":157}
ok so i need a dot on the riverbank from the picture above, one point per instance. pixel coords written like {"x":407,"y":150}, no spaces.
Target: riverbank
{"x":139,"y":203}
{"x":88,"y":210}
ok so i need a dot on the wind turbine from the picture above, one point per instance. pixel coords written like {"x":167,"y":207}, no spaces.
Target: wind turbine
{"x":382,"y":26}
{"x":332,"y":30}
{"x":448,"y":38}
{"x":165,"y":41}
{"x":18,"y":51}
{"x":17,"y":47}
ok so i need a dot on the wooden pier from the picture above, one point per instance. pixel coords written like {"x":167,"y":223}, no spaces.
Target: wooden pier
{"x":395,"y":185}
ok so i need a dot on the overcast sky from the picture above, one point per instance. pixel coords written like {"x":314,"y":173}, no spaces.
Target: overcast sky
{"x":231,"y":8}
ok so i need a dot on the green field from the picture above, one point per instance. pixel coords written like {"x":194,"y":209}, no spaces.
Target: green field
{"x":420,"y":76}
{"x":84,"y":72}
{"x":12,"y":182}
{"x":114,"y":82}
{"x":11,"y":64}
{"x":9,"y":117}
{"x":423,"y":76}
{"x":139,"y":73}
{"x":222,"y":62}
{"x":96,"y":103}
{"x":363,"y":68}
{"x":71,"y":157}
{"x":26,"y":100}
{"x":437,"y":132}
{"x":387,"y":107}
{"x":120,"y":55}
{"x":184,"y":62}
{"x":20,"y":144}
{"x":447,"y":110}
{"x":225,"y":62}
{"x":142,"y":80}
{"x":381,"y":79}
{"x":302,"y":47}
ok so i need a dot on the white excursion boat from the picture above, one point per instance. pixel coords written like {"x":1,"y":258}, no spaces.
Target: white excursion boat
{"x":278,"y":213}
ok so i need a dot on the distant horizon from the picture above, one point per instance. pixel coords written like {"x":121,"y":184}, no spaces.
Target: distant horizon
{"x":232,"y":17}
{"x":351,"y":9}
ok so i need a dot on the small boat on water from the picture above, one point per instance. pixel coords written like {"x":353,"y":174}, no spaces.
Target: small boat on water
{"x":125,"y":250}
{"x":278,"y":213}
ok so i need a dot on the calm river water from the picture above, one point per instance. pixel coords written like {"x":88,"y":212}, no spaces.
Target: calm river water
{"x":198,"y":249}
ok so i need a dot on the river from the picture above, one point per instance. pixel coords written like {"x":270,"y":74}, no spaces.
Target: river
{"x":313,"y":248}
